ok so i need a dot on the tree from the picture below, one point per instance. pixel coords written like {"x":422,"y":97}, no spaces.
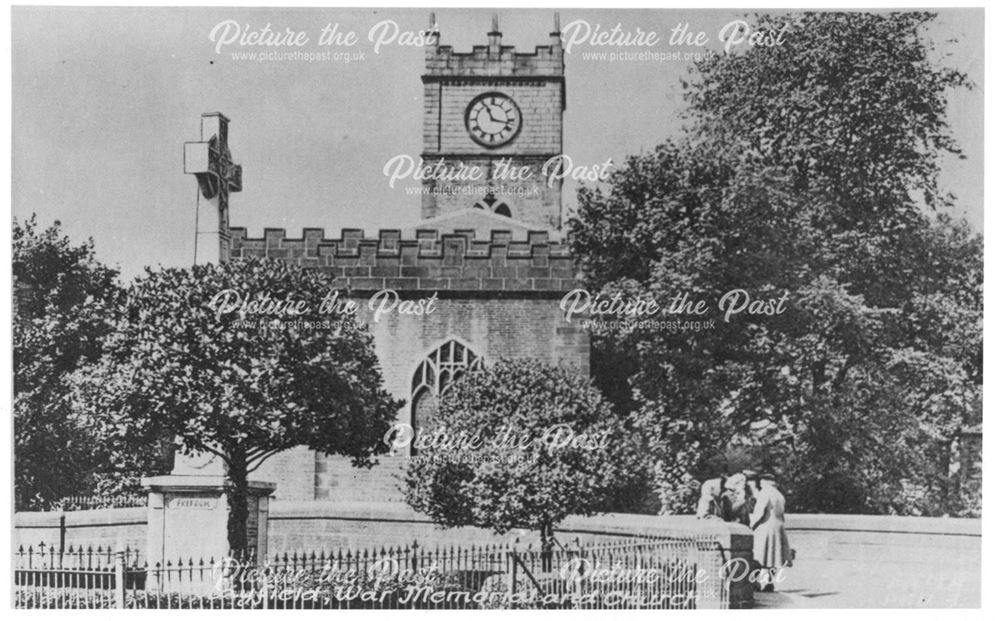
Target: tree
{"x":809,"y":169}
{"x":186,"y":363}
{"x":62,"y":308}
{"x":520,"y":444}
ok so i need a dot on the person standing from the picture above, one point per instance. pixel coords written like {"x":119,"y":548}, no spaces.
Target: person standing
{"x":713,"y":504}
{"x":739,"y":499}
{"x":770,"y":541}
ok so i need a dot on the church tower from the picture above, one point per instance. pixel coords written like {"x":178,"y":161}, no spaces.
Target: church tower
{"x":499,"y":111}
{"x":488,"y":251}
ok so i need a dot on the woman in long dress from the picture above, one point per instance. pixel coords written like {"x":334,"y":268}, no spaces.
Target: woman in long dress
{"x":770,"y":542}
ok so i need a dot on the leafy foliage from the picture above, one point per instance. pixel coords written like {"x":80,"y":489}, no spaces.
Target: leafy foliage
{"x":808,"y":168}
{"x":548,"y":447}
{"x":229,"y":385}
{"x":63,"y":310}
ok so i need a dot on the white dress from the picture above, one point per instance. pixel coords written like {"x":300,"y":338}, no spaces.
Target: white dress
{"x":770,"y":542}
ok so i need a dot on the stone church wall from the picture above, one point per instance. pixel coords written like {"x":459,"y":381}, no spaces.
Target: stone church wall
{"x":498,"y":297}
{"x":496,"y":59}
{"x":540,"y":103}
{"x":535,"y":82}
{"x":528,"y":201}
{"x":430,"y":261}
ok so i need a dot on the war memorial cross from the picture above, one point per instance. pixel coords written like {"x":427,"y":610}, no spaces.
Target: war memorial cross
{"x":212,"y":165}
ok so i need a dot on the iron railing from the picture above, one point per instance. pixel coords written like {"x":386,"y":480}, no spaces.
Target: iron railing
{"x":632,"y":573}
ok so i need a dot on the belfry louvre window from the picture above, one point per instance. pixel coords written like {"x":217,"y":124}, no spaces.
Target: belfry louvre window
{"x":435,"y":375}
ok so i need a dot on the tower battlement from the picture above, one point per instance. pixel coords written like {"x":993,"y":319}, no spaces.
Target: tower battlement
{"x":492,"y":105}
{"x":493,"y":59}
{"x":546,"y":61}
{"x":423,"y":261}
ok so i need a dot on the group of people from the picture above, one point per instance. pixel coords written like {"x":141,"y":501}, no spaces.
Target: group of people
{"x":753,"y":499}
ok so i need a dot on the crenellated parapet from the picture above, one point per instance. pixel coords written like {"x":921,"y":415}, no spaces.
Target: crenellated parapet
{"x":504,"y":61}
{"x":493,"y":107}
{"x":425,"y":260}
{"x":494,"y":59}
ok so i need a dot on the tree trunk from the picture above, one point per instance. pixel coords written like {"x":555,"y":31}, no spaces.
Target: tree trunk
{"x":166,"y":452}
{"x":548,"y":543}
{"x":236,"y":495}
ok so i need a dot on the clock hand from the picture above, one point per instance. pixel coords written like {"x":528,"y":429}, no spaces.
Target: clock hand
{"x":506,"y":123}
{"x":489,"y":111}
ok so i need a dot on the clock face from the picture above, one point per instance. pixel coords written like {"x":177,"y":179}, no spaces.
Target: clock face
{"x":493,"y":119}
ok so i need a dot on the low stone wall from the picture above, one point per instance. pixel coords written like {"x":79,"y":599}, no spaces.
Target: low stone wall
{"x":316,"y":526}
{"x":321,"y":525}
{"x":299,"y":525}
{"x":115,"y":528}
{"x":898,"y":524}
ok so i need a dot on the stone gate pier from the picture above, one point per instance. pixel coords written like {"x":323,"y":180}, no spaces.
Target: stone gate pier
{"x":187,"y":519}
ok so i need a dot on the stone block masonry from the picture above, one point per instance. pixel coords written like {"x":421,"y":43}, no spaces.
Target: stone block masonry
{"x":535,"y":200}
{"x":498,"y":297}
{"x":498,"y":60}
{"x":540,"y":103}
{"x":497,"y":294}
{"x":452,"y":263}
{"x":535,"y":81}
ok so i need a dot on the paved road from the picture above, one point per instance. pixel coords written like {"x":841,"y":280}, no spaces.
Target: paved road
{"x":898,"y":564}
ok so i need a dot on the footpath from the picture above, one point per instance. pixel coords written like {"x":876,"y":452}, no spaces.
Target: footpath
{"x":849,"y":561}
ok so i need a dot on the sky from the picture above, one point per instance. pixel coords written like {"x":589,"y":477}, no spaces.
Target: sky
{"x":103,"y":100}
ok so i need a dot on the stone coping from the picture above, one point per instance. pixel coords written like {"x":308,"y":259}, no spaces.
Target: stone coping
{"x":89,"y":517}
{"x":901,"y":524}
{"x":201,"y":483}
{"x":614,"y":524}
{"x":624,"y":523}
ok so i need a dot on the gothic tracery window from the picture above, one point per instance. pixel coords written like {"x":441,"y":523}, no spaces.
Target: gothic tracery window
{"x":435,"y":375}
{"x":490,"y":203}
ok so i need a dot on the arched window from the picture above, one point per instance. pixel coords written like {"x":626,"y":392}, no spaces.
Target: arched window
{"x":434,"y":376}
{"x":490,"y":203}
